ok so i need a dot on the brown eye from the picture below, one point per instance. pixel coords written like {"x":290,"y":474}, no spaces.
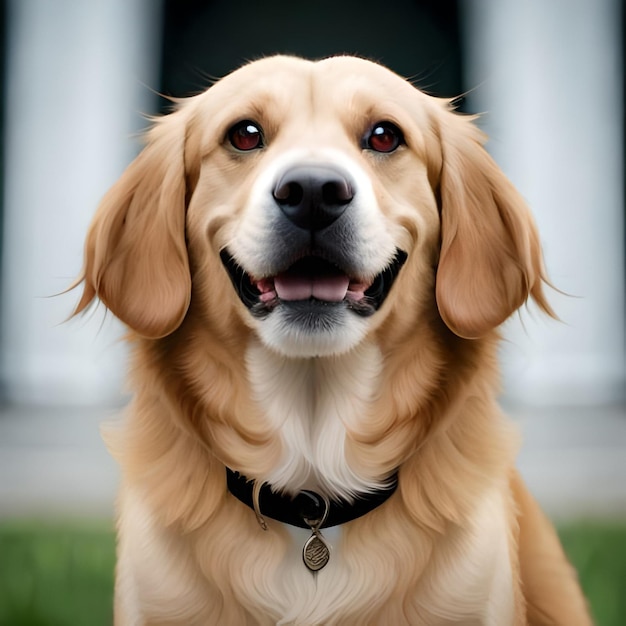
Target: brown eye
{"x":245,"y":136}
{"x":384,"y":137}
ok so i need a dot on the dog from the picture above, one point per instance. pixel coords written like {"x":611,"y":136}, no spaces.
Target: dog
{"x":313,"y":259}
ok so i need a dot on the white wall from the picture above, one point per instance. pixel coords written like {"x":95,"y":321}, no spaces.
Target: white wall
{"x":79,"y":76}
{"x":549,"y":76}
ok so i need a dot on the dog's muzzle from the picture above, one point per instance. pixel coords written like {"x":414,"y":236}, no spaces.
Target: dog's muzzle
{"x":317,"y":254}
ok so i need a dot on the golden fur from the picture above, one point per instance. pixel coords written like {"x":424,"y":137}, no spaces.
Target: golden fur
{"x":411,"y":387}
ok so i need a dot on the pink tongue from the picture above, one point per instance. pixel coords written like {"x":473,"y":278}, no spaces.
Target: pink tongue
{"x":295,"y":287}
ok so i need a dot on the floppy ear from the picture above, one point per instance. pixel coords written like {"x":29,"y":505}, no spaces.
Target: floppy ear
{"x":135,"y":255}
{"x":490,"y":260}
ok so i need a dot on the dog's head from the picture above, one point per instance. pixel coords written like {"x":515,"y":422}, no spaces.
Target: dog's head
{"x":310,"y":201}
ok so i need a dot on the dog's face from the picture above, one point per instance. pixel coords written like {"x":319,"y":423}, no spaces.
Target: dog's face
{"x":320,"y":218}
{"x":312,"y":201}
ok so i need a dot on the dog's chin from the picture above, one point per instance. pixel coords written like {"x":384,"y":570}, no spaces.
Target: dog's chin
{"x":312,"y":328}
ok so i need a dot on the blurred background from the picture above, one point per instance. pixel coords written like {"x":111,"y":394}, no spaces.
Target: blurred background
{"x":77,"y":80}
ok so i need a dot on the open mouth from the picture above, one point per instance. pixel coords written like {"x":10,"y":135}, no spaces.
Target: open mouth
{"x":315,"y":280}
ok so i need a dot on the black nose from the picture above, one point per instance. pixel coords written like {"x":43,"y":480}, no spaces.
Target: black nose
{"x":313,"y":196}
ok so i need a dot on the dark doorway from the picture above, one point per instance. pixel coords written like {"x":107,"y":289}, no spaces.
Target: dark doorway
{"x":203,"y":40}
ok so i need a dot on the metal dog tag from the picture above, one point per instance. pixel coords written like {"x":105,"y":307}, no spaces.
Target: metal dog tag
{"x":315,"y":553}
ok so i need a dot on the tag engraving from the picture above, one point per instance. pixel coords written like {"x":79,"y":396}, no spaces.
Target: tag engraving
{"x":315,"y":553}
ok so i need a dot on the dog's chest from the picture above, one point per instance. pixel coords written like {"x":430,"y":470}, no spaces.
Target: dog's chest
{"x":309,"y":402}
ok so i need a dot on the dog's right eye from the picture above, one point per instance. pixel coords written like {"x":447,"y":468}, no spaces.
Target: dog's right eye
{"x":246,"y":135}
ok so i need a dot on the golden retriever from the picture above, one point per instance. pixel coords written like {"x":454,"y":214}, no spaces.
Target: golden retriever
{"x":313,"y":259}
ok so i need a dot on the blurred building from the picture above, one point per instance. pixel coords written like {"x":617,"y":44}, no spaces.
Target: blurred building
{"x":80,"y":75}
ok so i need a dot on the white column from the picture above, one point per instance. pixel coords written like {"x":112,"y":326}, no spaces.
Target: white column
{"x":79,"y":79}
{"x":548,"y":76}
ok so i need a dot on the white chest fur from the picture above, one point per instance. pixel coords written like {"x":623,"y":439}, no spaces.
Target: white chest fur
{"x":309,"y":400}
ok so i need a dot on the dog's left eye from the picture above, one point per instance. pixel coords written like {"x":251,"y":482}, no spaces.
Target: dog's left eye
{"x":245,"y":136}
{"x":384,"y":137}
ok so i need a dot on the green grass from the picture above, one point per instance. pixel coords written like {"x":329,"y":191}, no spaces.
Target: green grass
{"x":598,"y":552}
{"x":62,"y":575}
{"x":56,"y":575}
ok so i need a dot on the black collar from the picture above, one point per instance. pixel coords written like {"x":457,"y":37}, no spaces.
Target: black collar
{"x":307,"y":504}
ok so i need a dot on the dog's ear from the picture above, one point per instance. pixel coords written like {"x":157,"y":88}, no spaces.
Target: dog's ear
{"x":490,"y":260}
{"x":135,"y":255}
